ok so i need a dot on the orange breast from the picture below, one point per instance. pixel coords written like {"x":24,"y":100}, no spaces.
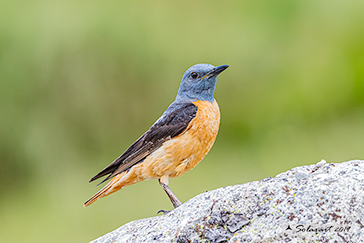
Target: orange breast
{"x":184,"y":152}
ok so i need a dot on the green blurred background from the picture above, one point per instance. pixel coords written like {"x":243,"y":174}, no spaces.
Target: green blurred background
{"x":81,"y":80}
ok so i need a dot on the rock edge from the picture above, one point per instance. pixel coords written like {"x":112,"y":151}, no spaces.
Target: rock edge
{"x":315,"y":203}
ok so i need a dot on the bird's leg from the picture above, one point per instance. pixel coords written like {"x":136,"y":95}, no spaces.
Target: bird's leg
{"x":163,"y":181}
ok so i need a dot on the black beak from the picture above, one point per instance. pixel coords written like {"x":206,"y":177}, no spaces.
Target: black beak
{"x":219,"y":69}
{"x":216,"y":71}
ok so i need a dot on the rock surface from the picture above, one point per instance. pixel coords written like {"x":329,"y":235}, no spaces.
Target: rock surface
{"x":316,"y":203}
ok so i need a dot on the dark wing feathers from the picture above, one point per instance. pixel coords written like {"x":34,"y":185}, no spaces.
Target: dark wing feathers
{"x":173,"y":122}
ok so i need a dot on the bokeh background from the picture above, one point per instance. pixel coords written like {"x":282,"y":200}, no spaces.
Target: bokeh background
{"x":81,"y":80}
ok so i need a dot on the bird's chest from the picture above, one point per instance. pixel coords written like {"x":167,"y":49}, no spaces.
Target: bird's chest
{"x":205,"y":126}
{"x":185,"y":151}
{"x":197,"y":140}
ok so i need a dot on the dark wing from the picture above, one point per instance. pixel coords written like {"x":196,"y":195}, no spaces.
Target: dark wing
{"x":173,"y":122}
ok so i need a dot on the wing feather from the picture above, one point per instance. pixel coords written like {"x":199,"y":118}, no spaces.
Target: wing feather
{"x":173,"y":122}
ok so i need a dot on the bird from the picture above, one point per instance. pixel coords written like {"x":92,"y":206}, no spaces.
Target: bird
{"x":176,"y":142}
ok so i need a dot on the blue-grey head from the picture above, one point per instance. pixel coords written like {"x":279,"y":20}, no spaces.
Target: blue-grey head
{"x":199,"y":82}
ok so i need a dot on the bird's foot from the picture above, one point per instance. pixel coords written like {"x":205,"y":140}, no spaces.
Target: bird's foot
{"x":164,"y":211}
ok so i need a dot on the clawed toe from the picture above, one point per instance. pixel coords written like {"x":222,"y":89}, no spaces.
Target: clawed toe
{"x":164,"y":211}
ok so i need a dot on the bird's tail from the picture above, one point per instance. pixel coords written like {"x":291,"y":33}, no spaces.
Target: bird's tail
{"x":109,"y":188}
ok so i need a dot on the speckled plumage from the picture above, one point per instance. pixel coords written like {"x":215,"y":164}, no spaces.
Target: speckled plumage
{"x":176,"y":142}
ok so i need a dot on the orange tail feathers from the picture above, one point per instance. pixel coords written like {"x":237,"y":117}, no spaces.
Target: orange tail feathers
{"x":106,"y":190}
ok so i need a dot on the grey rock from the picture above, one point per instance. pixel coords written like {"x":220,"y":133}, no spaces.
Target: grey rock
{"x":316,"y":203}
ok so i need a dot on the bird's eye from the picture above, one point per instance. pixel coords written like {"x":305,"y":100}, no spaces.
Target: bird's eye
{"x":194,"y":75}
